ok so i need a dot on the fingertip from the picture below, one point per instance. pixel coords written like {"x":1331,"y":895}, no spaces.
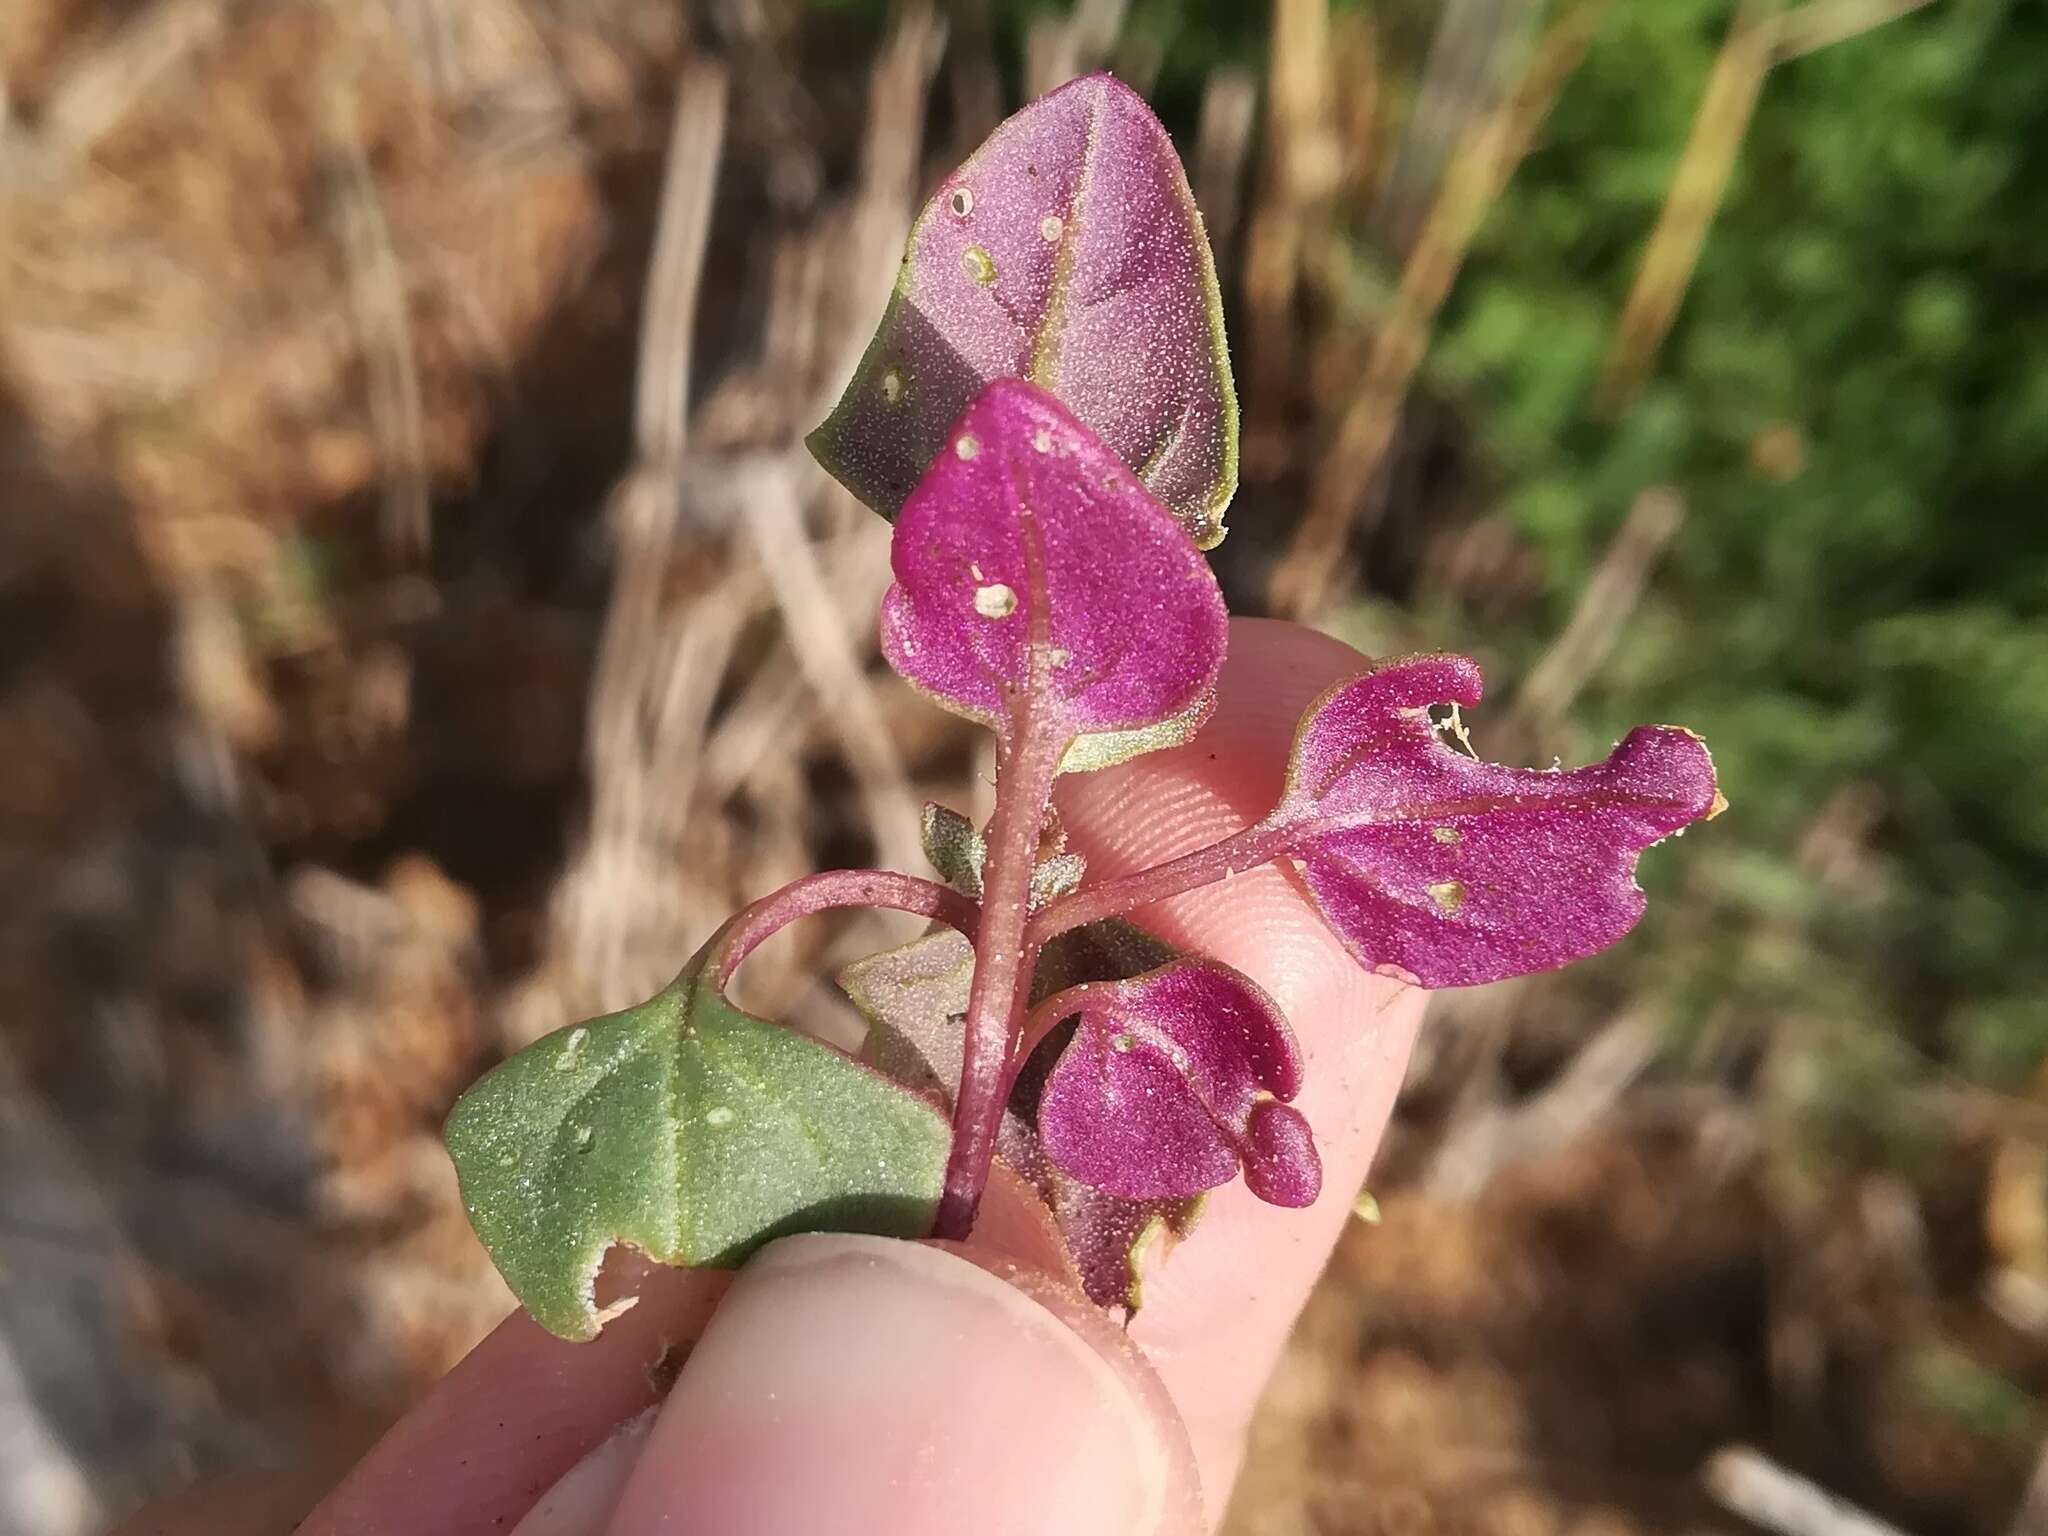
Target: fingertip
{"x":1168,"y":803}
{"x":582,"y":1500}
{"x":851,"y":1384}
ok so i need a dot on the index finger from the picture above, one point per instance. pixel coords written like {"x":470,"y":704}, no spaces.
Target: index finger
{"x":521,"y":1409}
{"x":1219,"y":1309}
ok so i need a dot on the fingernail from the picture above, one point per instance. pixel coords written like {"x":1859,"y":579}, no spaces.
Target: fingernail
{"x":851,"y":1384}
{"x":582,"y":1501}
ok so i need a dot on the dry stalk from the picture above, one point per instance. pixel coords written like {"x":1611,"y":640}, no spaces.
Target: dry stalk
{"x":975,"y":83}
{"x":1059,"y":48}
{"x":1307,"y":576}
{"x":826,"y":618}
{"x":1751,"y":1486}
{"x":1757,"y":39}
{"x":1609,"y":598}
{"x":659,"y":674}
{"x":831,"y":646}
{"x":823,"y":635}
{"x":1302,"y":165}
{"x":97,"y":93}
{"x":1718,"y":129}
{"x":432,"y":47}
{"x":485,"y":65}
{"x":758,"y":720}
{"x":1472,"y":52}
{"x":872,"y":242}
{"x":1490,"y":1136}
{"x":1823,"y":23}
{"x":379,"y":297}
{"x":657,"y":671}
{"x":1355,"y":42}
{"x":93,"y":1419}
{"x":818,"y":634}
{"x":1223,"y":141}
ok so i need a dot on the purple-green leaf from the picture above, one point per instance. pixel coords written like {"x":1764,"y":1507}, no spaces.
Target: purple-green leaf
{"x":1431,"y":864}
{"x":955,"y":847}
{"x":1068,"y":251}
{"x":1172,"y":1081}
{"x":914,"y":999}
{"x":1039,"y":587}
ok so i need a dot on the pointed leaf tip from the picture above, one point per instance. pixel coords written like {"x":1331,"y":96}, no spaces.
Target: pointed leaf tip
{"x":1034,"y":574}
{"x":1172,"y":1081}
{"x":1066,"y":250}
{"x":1456,"y":871}
{"x":691,"y":1131}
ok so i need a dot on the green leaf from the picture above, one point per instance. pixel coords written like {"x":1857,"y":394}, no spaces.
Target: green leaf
{"x":690,"y":1130}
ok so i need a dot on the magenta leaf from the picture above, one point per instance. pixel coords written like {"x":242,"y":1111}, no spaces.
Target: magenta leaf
{"x":1451,"y":871}
{"x":1171,"y":1083}
{"x":1067,"y":251}
{"x":1113,"y":1242}
{"x":1281,"y":1165}
{"x":1041,"y":590}
{"x":914,"y":999}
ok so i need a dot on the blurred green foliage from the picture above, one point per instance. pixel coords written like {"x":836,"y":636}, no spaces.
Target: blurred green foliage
{"x":1854,"y":403}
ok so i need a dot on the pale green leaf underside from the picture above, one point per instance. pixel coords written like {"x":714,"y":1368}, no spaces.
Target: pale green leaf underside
{"x":1106,"y":749}
{"x":687,"y":1129}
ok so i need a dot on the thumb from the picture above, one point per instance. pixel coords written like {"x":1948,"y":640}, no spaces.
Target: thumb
{"x":852,"y":1384}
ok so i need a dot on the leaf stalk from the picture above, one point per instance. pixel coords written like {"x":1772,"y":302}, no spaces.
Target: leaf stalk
{"x":832,"y":890}
{"x":1255,"y":845}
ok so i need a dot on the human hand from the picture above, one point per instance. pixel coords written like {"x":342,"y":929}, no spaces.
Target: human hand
{"x":851,"y":1384}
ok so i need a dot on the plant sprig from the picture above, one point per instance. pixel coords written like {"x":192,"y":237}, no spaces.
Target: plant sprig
{"x":1046,"y":414}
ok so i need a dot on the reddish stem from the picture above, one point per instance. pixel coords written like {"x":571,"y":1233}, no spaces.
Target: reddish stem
{"x":833,"y":889}
{"x":1256,"y":845}
{"x":1045,"y":1016}
{"x":1003,"y":961}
